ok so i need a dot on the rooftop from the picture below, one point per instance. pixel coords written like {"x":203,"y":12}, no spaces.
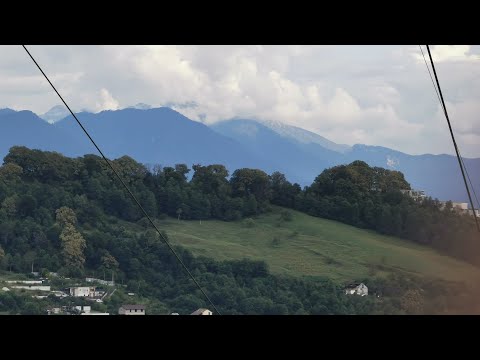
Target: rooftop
{"x":199,"y":311}
{"x":133,"y":307}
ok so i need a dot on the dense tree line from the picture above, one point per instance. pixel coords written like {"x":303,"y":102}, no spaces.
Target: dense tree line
{"x":73,"y":216}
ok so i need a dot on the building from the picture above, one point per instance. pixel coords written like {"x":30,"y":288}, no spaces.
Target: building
{"x":460,"y":208}
{"x":202,"y":311}
{"x":100,"y":281}
{"x":82,"y":291}
{"x":132,"y":310}
{"x":356,"y":289}
{"x":29,"y":282}
{"x":416,"y":195}
{"x":95,"y":313}
{"x":32,"y":287}
{"x":83,"y":309}
{"x":55,"y":310}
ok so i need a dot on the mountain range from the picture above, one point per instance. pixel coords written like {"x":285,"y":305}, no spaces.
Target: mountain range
{"x":166,"y":137}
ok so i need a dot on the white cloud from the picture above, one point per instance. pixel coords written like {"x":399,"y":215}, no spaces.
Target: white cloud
{"x":107,"y":101}
{"x":448,"y":53}
{"x":377,"y":95}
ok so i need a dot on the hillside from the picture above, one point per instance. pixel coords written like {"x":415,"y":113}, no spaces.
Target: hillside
{"x":70,"y":216}
{"x":315,"y":247}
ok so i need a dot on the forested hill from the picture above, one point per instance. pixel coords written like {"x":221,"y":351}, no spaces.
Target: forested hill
{"x":68,"y":214}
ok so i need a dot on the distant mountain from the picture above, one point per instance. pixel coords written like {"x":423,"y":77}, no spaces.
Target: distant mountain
{"x":300,"y":161}
{"x":164,"y":136}
{"x":303,"y":136}
{"x":27,"y":129}
{"x":158,"y":136}
{"x":302,"y":155}
{"x":55,"y":114}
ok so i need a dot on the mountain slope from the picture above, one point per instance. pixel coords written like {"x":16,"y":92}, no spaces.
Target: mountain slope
{"x":159,"y":136}
{"x":55,"y":114}
{"x":302,"y":136}
{"x":302,"y":155}
{"x":299,"y":161}
{"x":164,"y":136}
{"x":26,"y":128}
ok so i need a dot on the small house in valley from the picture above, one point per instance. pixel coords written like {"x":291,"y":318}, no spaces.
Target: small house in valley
{"x":356,"y":289}
{"x":132,"y":310}
{"x":202,"y":311}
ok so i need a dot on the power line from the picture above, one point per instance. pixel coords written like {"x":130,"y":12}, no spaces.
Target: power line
{"x":126,"y":187}
{"x":444,"y":110}
{"x":440,"y":100}
{"x":453,"y":138}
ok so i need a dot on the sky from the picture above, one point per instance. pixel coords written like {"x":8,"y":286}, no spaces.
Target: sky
{"x":375,"y":95}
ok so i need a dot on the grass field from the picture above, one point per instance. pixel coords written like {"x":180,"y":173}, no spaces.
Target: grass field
{"x":314,"y":247}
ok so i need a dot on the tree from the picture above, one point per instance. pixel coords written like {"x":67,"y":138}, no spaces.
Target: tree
{"x":109,"y":262}
{"x":65,"y":216}
{"x":250,"y":181}
{"x":10,"y":171}
{"x":73,"y":246}
{"x":2,"y":257}
{"x":10,"y":205}
{"x":72,"y":242}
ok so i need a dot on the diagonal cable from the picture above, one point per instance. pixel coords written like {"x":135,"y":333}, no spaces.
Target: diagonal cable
{"x":440,"y":100}
{"x":453,"y":138}
{"x":125,"y":185}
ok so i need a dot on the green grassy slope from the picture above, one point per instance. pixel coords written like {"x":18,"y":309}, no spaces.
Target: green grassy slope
{"x":314,"y":247}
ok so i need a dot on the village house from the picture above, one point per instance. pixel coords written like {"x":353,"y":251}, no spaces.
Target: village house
{"x":357,"y":289}
{"x":416,"y":195}
{"x":202,"y":311}
{"x":82,"y":291}
{"x":460,"y":208}
{"x":83,"y":309}
{"x":132,"y":310}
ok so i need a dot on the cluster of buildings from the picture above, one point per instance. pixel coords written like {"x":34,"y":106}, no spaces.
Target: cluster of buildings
{"x":460,"y":208}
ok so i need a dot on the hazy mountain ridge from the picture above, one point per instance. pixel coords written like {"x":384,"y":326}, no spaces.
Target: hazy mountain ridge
{"x":164,"y":136}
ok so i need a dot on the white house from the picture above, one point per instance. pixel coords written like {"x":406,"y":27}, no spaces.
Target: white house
{"x":202,"y":311}
{"x":357,"y":289}
{"x":82,"y":291}
{"x":83,"y":309}
{"x":132,"y":310}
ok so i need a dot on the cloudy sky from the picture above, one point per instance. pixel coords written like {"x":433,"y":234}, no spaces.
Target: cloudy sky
{"x":376,"y":95}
